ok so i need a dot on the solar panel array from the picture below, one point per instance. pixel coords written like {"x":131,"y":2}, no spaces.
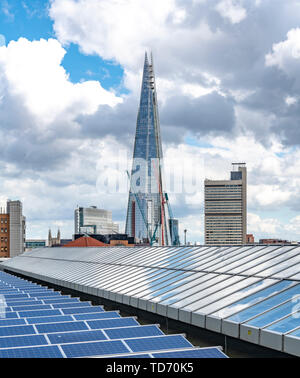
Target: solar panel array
{"x":38,"y":322}
{"x":247,"y":292}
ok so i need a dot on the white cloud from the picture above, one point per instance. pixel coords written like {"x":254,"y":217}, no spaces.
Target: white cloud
{"x":266,"y":226}
{"x":114,"y":29}
{"x":290,"y":100}
{"x":33,"y":71}
{"x":232,"y":10}
{"x":286,"y":55}
{"x":294,"y":225}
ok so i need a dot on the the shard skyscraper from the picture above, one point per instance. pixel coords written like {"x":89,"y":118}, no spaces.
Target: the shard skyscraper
{"x":149,"y":216}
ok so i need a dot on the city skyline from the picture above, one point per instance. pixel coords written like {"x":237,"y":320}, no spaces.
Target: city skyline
{"x":228,"y":83}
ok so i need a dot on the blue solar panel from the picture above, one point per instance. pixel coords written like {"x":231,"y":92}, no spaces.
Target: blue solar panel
{"x":30,"y":314}
{"x":24,"y":302}
{"x":193,"y":353}
{"x":75,"y":337}
{"x":17,"y":330}
{"x":71,"y":305}
{"x":34,"y":352}
{"x":50,"y":319}
{"x":82,"y":310}
{"x":156,"y":343}
{"x":45,"y":294}
{"x":60,"y":300}
{"x":111,"y":323}
{"x":99,"y":315}
{"x":10,"y":322}
{"x":11,"y":315}
{"x":94,"y":349}
{"x":8,"y":291}
{"x":132,"y":332}
{"x":31,"y":307}
{"x":18,"y":341}
{"x":61,"y":327}
{"x":15,"y":296}
{"x":37,"y":291}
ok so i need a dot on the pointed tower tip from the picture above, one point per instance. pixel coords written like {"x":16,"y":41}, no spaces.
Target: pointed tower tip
{"x":146,"y":58}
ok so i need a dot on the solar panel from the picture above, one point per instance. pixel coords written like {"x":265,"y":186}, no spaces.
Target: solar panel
{"x":71,"y":305}
{"x":75,"y":337}
{"x":17,"y":330}
{"x":45,"y":294}
{"x":61,"y":327}
{"x":31,"y":307}
{"x":32,"y":352}
{"x":11,"y":315}
{"x":99,"y":315}
{"x":10,"y":322}
{"x":110,"y":323}
{"x":192,"y":353}
{"x":94,"y":349}
{"x":50,"y":319}
{"x":14,"y":296}
{"x":24,"y":302}
{"x":60,"y":300}
{"x":157,"y":343}
{"x":132,"y":332}
{"x":82,"y":310}
{"x":30,"y":314}
{"x":19,"y":341}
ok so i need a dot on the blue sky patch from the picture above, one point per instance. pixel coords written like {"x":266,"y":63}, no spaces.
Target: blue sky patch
{"x":30,"y":19}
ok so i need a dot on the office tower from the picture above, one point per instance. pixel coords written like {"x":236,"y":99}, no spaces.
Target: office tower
{"x":17,"y":228}
{"x":148,"y":214}
{"x":226,"y":208}
{"x":90,"y":220}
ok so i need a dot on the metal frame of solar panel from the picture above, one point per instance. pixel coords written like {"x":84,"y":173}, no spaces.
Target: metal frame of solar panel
{"x":67,"y":327}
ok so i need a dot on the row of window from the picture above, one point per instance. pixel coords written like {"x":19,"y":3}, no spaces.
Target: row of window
{"x":3,"y":220}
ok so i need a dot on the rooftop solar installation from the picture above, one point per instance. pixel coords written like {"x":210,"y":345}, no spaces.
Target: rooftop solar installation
{"x":245,"y":292}
{"x":70,"y":328}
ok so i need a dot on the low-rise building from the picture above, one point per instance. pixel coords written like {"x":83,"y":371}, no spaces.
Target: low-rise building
{"x":34,"y":243}
{"x":91,"y":220}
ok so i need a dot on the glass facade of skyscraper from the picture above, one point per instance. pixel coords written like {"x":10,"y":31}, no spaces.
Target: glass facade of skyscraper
{"x":147,"y":214}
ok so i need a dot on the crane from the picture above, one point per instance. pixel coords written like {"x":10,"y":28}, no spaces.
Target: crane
{"x":174,"y":232}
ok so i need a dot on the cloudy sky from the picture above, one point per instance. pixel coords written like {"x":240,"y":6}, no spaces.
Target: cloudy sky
{"x":228,"y":82}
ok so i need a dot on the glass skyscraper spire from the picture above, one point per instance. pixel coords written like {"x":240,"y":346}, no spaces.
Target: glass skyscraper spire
{"x":148,"y":215}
